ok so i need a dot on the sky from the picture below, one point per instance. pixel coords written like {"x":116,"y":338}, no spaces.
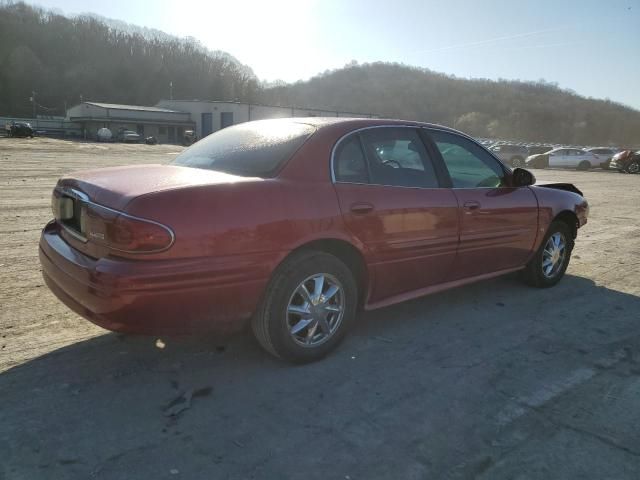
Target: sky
{"x":589,"y":46}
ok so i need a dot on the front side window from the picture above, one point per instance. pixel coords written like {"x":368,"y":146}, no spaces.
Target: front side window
{"x":469,"y":165}
{"x":397,"y":157}
{"x":254,"y":149}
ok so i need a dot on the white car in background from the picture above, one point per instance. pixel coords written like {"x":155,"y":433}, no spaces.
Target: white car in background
{"x":564,"y":158}
{"x":605,"y":154}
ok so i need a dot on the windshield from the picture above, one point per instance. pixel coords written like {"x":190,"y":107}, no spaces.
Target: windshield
{"x":253,"y":149}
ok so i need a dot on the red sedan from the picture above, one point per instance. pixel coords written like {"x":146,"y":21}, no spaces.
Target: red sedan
{"x":293,"y":225}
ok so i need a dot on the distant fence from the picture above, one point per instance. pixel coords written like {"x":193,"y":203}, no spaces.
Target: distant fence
{"x":50,"y":127}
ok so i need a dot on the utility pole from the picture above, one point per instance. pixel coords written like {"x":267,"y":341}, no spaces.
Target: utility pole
{"x":33,"y":103}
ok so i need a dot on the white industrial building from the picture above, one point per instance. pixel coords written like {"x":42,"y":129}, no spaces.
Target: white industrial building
{"x":169,"y":119}
{"x":168,"y":126}
{"x":211,"y":116}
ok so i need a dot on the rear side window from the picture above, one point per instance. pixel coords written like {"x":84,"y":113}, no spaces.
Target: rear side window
{"x":253,"y":149}
{"x":397,"y":157}
{"x":350,"y":165}
{"x":469,"y":165}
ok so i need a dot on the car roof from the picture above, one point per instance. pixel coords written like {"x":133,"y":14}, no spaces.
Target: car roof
{"x":321,"y":122}
{"x":354,"y":123}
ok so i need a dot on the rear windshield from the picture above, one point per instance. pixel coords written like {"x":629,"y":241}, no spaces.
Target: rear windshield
{"x":253,"y":149}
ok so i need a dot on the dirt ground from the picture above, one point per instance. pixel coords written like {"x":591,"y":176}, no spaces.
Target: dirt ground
{"x":491,"y":381}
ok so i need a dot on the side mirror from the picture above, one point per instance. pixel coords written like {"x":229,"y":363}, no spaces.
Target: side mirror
{"x":522,"y":178}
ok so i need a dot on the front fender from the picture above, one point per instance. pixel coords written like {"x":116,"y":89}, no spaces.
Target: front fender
{"x":553,"y":202}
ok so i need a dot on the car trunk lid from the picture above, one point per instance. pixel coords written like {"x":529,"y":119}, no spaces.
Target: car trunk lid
{"x":115,"y":187}
{"x":90,"y":205}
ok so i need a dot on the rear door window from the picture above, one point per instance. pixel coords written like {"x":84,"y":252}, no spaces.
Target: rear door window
{"x":397,"y":157}
{"x":350,"y":165}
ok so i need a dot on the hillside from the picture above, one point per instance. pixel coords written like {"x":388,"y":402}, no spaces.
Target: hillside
{"x":62,"y":59}
{"x":500,"y":109}
{"x":65,"y":59}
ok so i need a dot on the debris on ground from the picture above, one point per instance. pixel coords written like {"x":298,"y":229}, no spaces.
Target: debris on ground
{"x":183,"y":402}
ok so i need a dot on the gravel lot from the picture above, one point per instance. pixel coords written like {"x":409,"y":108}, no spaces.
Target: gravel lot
{"x":490,"y":381}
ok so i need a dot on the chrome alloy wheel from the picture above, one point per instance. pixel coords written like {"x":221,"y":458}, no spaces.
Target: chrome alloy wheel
{"x":553,"y":255}
{"x":315,"y":310}
{"x":634,"y":167}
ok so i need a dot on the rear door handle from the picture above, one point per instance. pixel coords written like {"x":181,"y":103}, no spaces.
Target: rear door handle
{"x":471,"y":205}
{"x":361,"y":208}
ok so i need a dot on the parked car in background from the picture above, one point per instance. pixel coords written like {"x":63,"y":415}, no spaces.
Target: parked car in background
{"x":626,"y":161}
{"x":604,"y":154}
{"x":537,"y":149}
{"x":513,"y":155}
{"x":129,"y":136}
{"x":564,"y":158}
{"x":189,"y":138}
{"x":293,"y":225}
{"x":20,"y":129}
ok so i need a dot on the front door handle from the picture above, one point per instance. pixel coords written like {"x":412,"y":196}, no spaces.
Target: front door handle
{"x":361,"y":208}
{"x":471,"y":205}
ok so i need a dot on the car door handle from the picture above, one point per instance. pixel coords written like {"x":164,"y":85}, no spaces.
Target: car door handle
{"x":361,"y":208}
{"x":471,"y":205}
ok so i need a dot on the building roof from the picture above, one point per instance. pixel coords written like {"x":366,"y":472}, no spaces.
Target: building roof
{"x":297,"y":107}
{"x":138,"y":108}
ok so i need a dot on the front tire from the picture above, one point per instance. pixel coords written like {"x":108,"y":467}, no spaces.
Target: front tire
{"x":308,"y":307}
{"x":550,"y":262}
{"x":634,"y":167}
{"x":517,"y":162}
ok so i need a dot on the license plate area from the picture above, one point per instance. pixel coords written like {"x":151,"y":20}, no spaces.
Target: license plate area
{"x":63,"y":208}
{"x":68,"y":209}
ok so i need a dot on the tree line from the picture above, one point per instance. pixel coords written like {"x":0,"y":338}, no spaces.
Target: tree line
{"x":524,"y":111}
{"x":64,"y":60}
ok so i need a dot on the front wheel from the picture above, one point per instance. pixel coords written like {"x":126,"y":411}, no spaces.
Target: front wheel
{"x":634,"y":167}
{"x":308,"y":307}
{"x":550,"y":262}
{"x":517,"y":162}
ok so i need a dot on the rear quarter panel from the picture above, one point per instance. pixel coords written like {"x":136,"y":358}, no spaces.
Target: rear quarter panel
{"x":244,"y":220}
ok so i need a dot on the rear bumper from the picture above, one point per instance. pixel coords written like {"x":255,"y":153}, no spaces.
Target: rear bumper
{"x":155,"y":297}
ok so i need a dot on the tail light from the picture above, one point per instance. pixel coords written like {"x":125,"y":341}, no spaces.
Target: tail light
{"x":125,"y":233}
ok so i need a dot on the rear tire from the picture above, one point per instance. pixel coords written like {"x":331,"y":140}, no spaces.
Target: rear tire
{"x":308,"y":287}
{"x":584,"y":165}
{"x":539,"y":272}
